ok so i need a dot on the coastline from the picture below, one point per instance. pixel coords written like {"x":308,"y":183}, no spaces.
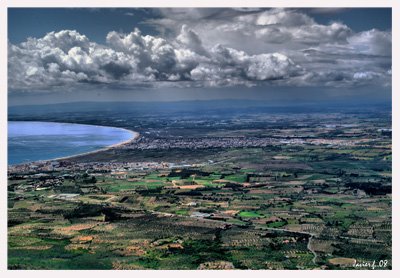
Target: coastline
{"x":135,"y":135}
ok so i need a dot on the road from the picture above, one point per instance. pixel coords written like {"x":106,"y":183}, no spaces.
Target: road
{"x":308,"y":244}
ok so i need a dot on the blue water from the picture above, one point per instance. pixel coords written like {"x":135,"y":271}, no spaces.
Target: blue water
{"x":33,"y":141}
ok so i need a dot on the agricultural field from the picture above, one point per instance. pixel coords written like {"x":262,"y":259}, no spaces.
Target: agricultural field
{"x":300,"y":205}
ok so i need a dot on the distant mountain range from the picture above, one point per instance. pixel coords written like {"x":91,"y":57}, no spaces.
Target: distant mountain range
{"x":222,"y":106}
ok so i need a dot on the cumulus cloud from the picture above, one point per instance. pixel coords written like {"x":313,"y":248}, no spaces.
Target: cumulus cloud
{"x":272,"y":26}
{"x":207,"y":47}
{"x":372,"y":42}
{"x":135,"y":58}
{"x":190,"y":40}
{"x":330,"y":54}
{"x":63,"y":58}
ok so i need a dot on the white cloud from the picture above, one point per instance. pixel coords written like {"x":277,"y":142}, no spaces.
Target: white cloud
{"x":372,"y":42}
{"x":133,"y":58}
{"x":209,"y":47}
{"x":368,"y":75}
{"x":190,"y":40}
{"x":284,"y":18}
{"x":273,"y":28}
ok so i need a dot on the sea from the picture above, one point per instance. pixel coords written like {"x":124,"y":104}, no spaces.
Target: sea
{"x":34,"y":141}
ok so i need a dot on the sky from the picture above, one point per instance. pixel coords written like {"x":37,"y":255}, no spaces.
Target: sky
{"x":171,"y":54}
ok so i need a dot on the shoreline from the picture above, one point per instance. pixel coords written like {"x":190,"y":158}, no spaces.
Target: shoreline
{"x":135,"y":135}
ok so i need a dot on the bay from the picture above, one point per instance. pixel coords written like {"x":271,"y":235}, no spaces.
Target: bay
{"x":33,"y":141}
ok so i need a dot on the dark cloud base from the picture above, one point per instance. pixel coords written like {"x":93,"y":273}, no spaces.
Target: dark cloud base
{"x":205,"y":48}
